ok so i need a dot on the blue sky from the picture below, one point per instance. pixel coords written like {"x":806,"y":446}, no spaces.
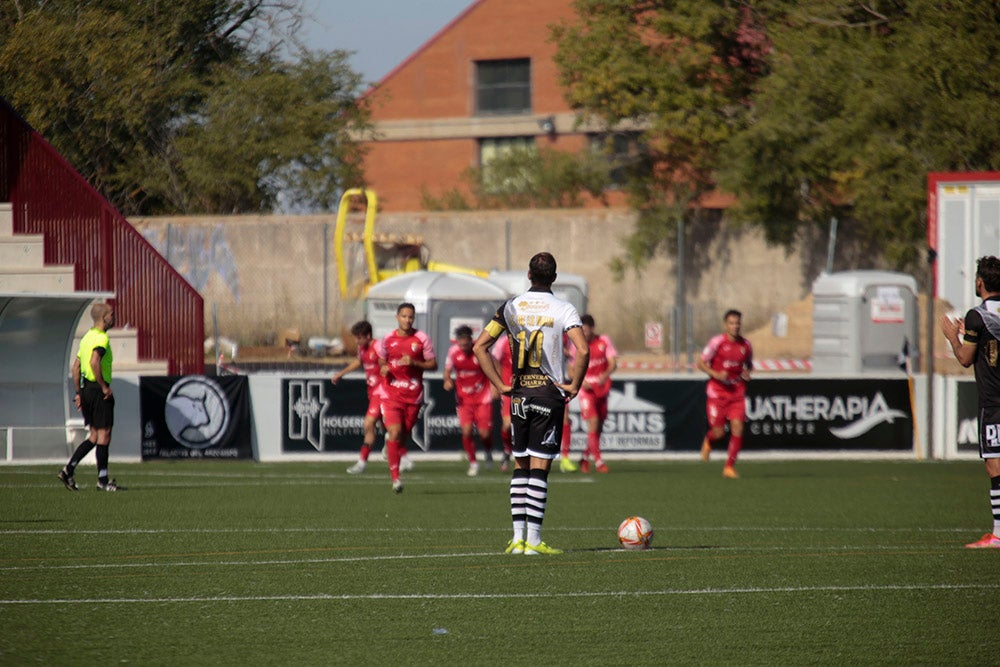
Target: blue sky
{"x":382,"y":33}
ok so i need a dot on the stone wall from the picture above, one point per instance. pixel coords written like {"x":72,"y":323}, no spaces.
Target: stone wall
{"x":261,"y":274}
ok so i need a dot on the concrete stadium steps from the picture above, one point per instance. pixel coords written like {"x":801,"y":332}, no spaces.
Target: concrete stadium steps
{"x":6,"y":219}
{"x":23,"y":250}
{"x":42,"y":279}
{"x":23,"y":270}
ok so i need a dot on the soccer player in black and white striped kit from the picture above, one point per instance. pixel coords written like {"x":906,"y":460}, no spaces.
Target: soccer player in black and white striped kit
{"x":982,"y":348}
{"x":535,"y":323}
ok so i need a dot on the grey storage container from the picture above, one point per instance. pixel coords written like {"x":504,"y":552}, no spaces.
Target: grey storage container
{"x":442,"y":302}
{"x":862,"y":320}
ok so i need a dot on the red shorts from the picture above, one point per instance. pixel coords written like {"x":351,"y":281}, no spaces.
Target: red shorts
{"x":479,"y":414}
{"x":374,"y":406}
{"x":721,"y":409}
{"x":505,"y":406}
{"x":592,"y":406}
{"x":394,"y":413}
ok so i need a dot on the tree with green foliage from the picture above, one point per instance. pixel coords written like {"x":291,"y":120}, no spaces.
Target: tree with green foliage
{"x":528,"y":178}
{"x":192,"y":106}
{"x":862,"y":101}
{"x":803,"y":110}
{"x":685,"y":70}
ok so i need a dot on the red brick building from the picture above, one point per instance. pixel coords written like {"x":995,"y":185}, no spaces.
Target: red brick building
{"x":483,"y":83}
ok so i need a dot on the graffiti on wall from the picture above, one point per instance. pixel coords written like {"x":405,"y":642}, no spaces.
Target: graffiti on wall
{"x":198,"y":253}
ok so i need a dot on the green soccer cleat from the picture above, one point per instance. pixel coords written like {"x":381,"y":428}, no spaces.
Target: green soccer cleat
{"x":514,"y":548}
{"x":540,"y":548}
{"x":565,"y":465}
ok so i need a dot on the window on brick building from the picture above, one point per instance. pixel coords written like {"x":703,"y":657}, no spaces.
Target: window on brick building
{"x":624,"y":152}
{"x":503,"y":86}
{"x":490,"y":148}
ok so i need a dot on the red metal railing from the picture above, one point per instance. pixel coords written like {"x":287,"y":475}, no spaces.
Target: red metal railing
{"x":81,"y":228}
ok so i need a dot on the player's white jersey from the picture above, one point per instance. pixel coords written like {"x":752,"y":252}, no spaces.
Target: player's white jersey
{"x":535,"y":323}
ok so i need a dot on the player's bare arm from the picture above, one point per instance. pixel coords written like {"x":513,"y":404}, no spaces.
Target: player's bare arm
{"x":95,"y":365}
{"x":964,"y":353}
{"x":353,"y":366}
{"x":580,"y":361}
{"x":481,"y":348}
{"x":75,"y":374}
{"x":612,"y":367}
{"x":700,"y":363}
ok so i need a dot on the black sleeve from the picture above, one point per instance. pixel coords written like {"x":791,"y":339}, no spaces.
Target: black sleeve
{"x":973,"y":326}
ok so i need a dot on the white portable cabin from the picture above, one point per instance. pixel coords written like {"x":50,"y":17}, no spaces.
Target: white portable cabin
{"x":862,"y":320}
{"x":442,"y":302}
{"x":568,"y":286}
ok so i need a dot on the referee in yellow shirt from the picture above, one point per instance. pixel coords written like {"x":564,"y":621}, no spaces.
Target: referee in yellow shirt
{"x":94,"y":398}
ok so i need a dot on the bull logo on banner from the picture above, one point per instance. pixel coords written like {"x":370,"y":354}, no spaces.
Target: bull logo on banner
{"x":195,"y":417}
{"x":197,"y":412}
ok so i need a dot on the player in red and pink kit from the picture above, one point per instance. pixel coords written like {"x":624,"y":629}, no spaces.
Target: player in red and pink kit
{"x":727,"y":359}
{"x":404,"y":356}
{"x":505,"y":365}
{"x":473,"y":397}
{"x":367,"y":358}
{"x":594,"y":391}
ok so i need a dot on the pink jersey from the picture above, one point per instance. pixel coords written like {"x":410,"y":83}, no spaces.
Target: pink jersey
{"x":602,"y":351}
{"x":471,"y":384}
{"x":368,"y":356}
{"x":731,"y":356}
{"x":405,"y":383}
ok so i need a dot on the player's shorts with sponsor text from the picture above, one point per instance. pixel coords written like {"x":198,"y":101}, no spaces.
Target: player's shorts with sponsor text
{"x":536,"y":424}
{"x":989,"y":431}
{"x":728,"y":407}
{"x":394,"y":413}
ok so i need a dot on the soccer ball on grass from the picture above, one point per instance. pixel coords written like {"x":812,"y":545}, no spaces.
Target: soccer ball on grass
{"x":635,"y":533}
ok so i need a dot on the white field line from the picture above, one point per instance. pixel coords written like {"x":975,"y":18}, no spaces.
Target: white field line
{"x":511,"y":596}
{"x":469,"y":529}
{"x":160,"y":563}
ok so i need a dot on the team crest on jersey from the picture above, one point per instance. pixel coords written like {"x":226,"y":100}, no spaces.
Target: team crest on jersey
{"x":414,"y":346}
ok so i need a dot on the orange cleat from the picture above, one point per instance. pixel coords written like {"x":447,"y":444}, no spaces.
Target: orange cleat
{"x":988,"y":541}
{"x":706,"y":450}
{"x":730,"y":472}
{"x":584,"y":466}
{"x":602,"y":467}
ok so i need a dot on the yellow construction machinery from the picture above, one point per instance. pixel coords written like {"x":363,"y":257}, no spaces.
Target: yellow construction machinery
{"x":367,"y":258}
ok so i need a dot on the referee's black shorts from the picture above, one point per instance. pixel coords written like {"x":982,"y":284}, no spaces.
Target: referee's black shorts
{"x":97,"y":412}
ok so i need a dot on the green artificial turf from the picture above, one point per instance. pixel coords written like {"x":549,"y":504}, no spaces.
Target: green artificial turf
{"x":298,"y":563}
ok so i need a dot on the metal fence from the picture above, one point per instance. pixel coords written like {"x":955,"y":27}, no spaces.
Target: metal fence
{"x":81,"y":228}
